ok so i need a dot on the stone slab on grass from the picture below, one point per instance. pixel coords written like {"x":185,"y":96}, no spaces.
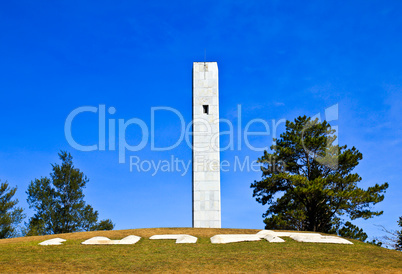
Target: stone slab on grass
{"x":274,"y":236}
{"x":129,"y":240}
{"x":274,"y":239}
{"x":180,"y":238}
{"x":186,"y":239}
{"x":320,"y":239}
{"x":264,"y":233}
{"x":234,"y":238}
{"x":97,"y":241}
{"x":291,"y":234}
{"x":55,"y":241}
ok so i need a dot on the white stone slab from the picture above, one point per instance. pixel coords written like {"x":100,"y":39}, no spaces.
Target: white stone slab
{"x":320,"y":239}
{"x":233,"y":238}
{"x":129,"y":240}
{"x":97,"y":241}
{"x":180,"y":238}
{"x":274,"y":239}
{"x":274,"y":236}
{"x":186,"y":239}
{"x":264,"y":233}
{"x":55,"y":241}
{"x":291,"y":234}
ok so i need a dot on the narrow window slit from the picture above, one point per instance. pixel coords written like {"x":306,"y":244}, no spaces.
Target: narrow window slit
{"x":206,"y":109}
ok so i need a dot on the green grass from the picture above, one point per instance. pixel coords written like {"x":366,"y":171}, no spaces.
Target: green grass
{"x":25,"y":255}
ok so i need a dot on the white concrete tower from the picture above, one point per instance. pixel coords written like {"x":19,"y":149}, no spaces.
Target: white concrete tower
{"x":206,"y":160}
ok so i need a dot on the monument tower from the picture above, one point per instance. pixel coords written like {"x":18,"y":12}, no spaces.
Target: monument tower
{"x":206,"y":160}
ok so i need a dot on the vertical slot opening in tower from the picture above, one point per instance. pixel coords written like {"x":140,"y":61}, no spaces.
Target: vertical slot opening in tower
{"x":206,"y":109}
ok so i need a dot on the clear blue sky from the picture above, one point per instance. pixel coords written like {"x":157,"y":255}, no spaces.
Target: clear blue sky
{"x":277,"y":59}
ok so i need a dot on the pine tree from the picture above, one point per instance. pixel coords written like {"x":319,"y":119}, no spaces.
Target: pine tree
{"x":308,"y":183}
{"x":10,"y":215}
{"x":59,"y":203}
{"x":398,"y":245}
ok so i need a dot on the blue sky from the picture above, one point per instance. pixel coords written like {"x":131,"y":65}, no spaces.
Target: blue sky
{"x":277,"y":59}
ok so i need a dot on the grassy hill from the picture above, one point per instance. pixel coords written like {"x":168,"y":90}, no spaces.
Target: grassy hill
{"x":25,"y":255}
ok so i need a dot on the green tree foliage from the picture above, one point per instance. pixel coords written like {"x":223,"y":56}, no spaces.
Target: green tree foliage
{"x":10,"y":215}
{"x":351,"y":231}
{"x":398,"y":245}
{"x":103,"y":225}
{"x":347,"y":230}
{"x":59,"y":203}
{"x":308,"y":183}
{"x":375,"y":242}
